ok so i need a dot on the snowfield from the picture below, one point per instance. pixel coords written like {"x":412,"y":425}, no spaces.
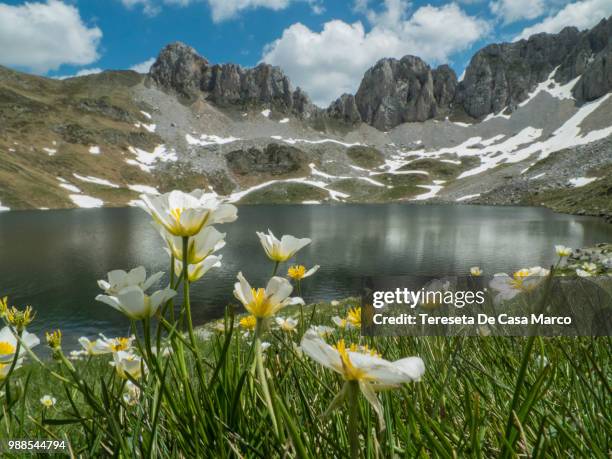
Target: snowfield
{"x":86,"y":202}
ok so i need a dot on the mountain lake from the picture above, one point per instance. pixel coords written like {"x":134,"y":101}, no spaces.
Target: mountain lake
{"x":52,"y":259}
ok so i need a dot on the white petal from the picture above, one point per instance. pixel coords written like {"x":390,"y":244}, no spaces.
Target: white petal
{"x":278,"y":289}
{"x":132,"y":302}
{"x":136,"y":276}
{"x":311,"y":271}
{"x":242,"y":290}
{"x":152,"y":280}
{"x":378,"y":369}
{"x":225,"y":213}
{"x":321,"y":352}
{"x":414,"y":367}
{"x":370,"y":395}
{"x":160,"y":297}
{"x":110,"y":300}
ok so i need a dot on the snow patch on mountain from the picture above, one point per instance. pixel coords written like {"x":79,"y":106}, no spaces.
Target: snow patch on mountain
{"x":209,"y":139}
{"x":581,"y":181}
{"x":95,"y":180}
{"x":292,"y":141}
{"x":146,"y":160}
{"x":143,"y":189}
{"x":86,"y":202}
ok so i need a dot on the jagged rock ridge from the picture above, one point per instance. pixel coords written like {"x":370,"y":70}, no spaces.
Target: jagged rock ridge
{"x":393,"y":91}
{"x":181,"y":69}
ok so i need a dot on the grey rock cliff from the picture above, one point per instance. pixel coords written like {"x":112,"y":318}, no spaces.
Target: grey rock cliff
{"x":502,"y":75}
{"x":396,"y":91}
{"x":344,"y":109}
{"x":179,"y":68}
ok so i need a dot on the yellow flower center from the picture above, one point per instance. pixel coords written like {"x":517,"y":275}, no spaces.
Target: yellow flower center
{"x":259,"y":306}
{"x":248,"y":322}
{"x":296,"y":272}
{"x":176,"y":213}
{"x":354,"y":317}
{"x":120,"y":344}
{"x":6,"y":348}
{"x":48,"y":402}
{"x":350,"y":372}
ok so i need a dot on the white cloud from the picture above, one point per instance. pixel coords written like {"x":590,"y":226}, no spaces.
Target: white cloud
{"x":583,"y":15}
{"x":82,"y":72}
{"x":149,"y":7}
{"x":154,"y":7}
{"x":43,"y":36}
{"x":333,"y":61}
{"x":143,"y":67}
{"x":222,"y":10}
{"x":515,"y":10}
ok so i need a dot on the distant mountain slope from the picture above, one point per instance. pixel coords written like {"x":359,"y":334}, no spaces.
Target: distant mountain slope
{"x":530,"y":123}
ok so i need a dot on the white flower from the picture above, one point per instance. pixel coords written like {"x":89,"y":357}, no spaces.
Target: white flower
{"x":339,"y":322}
{"x":282,"y":250}
{"x":185,"y":214}
{"x":105,"y":345}
{"x":475,"y":271}
{"x":588,"y":270}
{"x":196,"y":271}
{"x":47,"y":401}
{"x":76,"y":355}
{"x":354,"y":364}
{"x":523,"y":280}
{"x":166,"y":351}
{"x":199,"y":247}
{"x":263,"y":303}
{"x":541,"y":360}
{"x":135,"y":303}
{"x":321,"y":330}
{"x":93,"y":347}
{"x":265,"y":345}
{"x":563,"y":251}
{"x":8,"y":347}
{"x":364,"y":366}
{"x":299,"y":272}
{"x":335,"y":303}
{"x":119,"y":279}
{"x":127,"y":363}
{"x":286,"y":324}
{"x":131,"y":393}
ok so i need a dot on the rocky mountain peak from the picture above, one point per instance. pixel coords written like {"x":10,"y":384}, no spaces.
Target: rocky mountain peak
{"x":179,"y":68}
{"x":396,"y":91}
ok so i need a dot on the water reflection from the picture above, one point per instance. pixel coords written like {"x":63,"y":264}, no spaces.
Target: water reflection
{"x":53,"y":259}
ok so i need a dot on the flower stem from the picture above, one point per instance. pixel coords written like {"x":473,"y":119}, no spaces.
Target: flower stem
{"x":275,"y":268}
{"x":261,"y":374}
{"x":187,"y":308}
{"x":171,"y":301}
{"x":353,"y":427}
{"x":186,"y":299}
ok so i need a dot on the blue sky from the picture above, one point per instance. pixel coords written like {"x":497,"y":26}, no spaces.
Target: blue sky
{"x":323,"y":45}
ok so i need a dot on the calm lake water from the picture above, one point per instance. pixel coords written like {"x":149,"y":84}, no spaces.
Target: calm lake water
{"x":52,"y":259}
